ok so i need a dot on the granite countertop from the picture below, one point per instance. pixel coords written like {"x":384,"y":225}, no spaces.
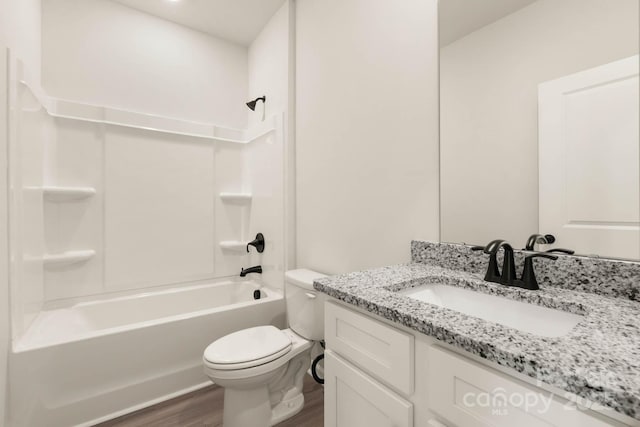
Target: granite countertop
{"x":598,"y":360}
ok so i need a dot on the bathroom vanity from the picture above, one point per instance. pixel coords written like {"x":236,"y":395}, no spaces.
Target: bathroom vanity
{"x":394,"y":359}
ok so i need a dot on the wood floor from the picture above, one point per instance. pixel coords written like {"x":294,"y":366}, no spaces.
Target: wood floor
{"x":203,"y":408}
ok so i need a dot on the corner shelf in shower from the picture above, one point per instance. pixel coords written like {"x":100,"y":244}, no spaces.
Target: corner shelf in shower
{"x":67,"y":194}
{"x":68,"y":258}
{"x":236,"y":197}
{"x":233,"y":245}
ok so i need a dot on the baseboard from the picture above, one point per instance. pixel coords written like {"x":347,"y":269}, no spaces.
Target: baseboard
{"x":144,"y":405}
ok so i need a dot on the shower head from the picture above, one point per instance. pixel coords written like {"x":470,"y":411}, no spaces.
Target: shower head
{"x":252,"y":104}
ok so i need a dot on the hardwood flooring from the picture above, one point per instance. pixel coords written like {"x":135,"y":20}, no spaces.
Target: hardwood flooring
{"x":203,"y":408}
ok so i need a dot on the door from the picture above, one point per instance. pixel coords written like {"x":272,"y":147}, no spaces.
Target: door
{"x":589,"y":194}
{"x":352,"y":399}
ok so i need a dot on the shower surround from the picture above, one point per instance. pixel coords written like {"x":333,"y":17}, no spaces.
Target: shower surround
{"x":126,"y":230}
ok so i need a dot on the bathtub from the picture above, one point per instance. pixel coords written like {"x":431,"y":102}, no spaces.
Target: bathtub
{"x":97,"y":360}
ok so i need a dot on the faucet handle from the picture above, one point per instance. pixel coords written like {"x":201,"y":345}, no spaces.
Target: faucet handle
{"x":562,"y":251}
{"x":546,"y":239}
{"x":257,"y":243}
{"x":528,"y":280}
{"x":546,"y":254}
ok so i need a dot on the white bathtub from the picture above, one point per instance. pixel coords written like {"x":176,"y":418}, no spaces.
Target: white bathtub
{"x":99,"y":360}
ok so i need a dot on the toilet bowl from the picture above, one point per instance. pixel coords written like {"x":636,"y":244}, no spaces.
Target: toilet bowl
{"x":262,"y":368}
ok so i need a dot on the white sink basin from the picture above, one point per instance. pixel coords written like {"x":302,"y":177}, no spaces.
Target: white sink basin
{"x":525,"y":317}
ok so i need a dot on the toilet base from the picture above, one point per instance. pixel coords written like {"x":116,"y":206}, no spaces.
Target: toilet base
{"x":287,"y":409}
{"x":251,"y":408}
{"x":246,"y":408}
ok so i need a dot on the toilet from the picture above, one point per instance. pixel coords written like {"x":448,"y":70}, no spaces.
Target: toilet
{"x":262,"y":368}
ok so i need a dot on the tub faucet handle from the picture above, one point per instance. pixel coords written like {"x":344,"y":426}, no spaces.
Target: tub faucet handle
{"x":257,"y":243}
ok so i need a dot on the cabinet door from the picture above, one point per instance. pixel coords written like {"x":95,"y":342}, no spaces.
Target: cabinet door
{"x":471,"y":395}
{"x":384,"y":352}
{"x":352,"y":399}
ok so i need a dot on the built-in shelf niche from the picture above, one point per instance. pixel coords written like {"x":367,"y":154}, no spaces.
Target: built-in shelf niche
{"x":236,"y":197}
{"x":68,"y":258}
{"x":67,"y":194}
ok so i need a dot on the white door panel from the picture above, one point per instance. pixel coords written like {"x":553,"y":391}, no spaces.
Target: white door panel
{"x":589,"y":160}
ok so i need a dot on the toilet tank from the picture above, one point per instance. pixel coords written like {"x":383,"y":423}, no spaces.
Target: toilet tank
{"x":305,"y":305}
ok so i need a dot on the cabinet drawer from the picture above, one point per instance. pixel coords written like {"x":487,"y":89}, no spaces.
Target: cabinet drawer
{"x":472,"y":395}
{"x":352,"y":399}
{"x":381,"y":350}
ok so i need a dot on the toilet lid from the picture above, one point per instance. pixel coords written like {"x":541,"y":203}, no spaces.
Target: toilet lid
{"x":260,"y":345}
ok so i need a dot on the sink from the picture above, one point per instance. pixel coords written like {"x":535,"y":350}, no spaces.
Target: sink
{"x":525,"y":317}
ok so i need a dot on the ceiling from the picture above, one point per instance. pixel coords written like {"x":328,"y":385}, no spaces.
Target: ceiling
{"x":238,"y":21}
{"x":461,"y":17}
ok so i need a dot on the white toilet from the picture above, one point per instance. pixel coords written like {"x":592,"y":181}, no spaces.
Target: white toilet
{"x":262,"y":368}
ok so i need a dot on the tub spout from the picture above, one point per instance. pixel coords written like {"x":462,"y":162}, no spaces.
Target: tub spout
{"x":256,"y":269}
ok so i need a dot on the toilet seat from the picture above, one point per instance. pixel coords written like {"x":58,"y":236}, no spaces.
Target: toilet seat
{"x":250,"y":371}
{"x":247,"y":348}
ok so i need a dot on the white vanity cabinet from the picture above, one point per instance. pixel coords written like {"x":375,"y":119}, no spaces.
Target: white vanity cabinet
{"x":473,"y":395}
{"x":355,"y":398}
{"x":370,"y":372}
{"x":378,"y":374}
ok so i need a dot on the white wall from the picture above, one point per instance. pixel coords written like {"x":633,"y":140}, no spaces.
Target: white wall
{"x":5,"y":331}
{"x":101,"y":52}
{"x":20,"y":30}
{"x":367,"y":131}
{"x":268,"y":66}
{"x":489,"y":88}
{"x":264,"y":159}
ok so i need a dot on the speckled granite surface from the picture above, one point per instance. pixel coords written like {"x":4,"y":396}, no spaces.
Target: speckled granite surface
{"x":598,"y":360}
{"x":600,"y":276}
